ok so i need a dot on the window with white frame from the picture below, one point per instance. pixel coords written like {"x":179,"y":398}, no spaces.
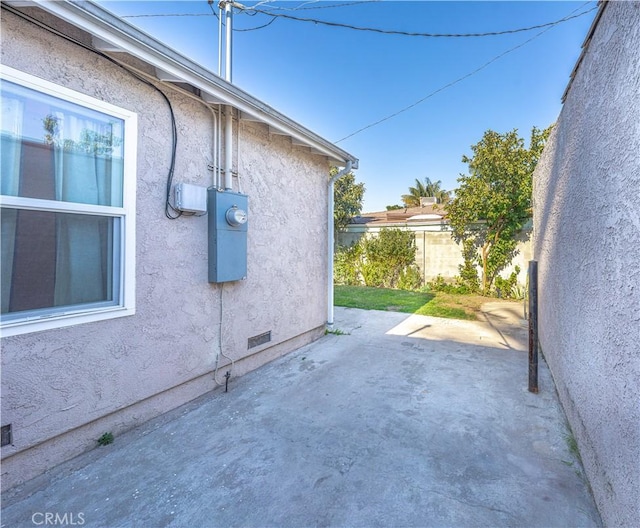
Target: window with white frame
{"x":68,"y":206}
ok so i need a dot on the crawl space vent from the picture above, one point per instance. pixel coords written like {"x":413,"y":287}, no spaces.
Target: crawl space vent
{"x":6,"y":435}
{"x":259,"y":340}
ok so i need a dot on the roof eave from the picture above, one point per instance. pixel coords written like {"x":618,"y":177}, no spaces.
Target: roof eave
{"x":113,"y":32}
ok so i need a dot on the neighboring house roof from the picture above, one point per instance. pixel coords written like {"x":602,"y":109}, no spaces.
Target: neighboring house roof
{"x":427,"y":214}
{"x":111,"y":34}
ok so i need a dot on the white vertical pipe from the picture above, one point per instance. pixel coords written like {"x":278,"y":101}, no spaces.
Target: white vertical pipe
{"x":218,"y":169}
{"x":330,"y":237}
{"x":228,"y":148}
{"x":228,"y":127}
{"x":220,"y":42}
{"x":228,"y":17}
{"x":216,"y":149}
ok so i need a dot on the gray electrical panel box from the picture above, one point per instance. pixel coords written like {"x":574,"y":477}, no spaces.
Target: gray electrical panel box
{"x":227,"y":235}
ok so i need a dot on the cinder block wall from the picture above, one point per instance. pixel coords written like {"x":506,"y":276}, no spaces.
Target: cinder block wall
{"x":439,"y":254}
{"x":587,"y":242}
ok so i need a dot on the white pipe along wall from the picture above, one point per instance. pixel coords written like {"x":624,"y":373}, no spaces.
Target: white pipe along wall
{"x":330,"y":238}
{"x":228,"y":126}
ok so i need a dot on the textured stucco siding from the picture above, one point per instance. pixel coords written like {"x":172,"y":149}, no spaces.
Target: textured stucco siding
{"x":61,"y":389}
{"x":587,"y":242}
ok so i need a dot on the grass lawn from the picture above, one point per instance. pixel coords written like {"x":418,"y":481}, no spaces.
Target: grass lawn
{"x":437,"y":304}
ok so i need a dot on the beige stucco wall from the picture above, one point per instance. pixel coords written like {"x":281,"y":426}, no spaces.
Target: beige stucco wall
{"x":587,"y":242}
{"x":62,"y":389}
{"x":436,"y":252}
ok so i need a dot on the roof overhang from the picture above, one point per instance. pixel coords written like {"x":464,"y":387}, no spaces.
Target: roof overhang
{"x":112,"y":34}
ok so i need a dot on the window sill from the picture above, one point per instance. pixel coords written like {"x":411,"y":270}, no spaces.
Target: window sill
{"x":40,"y":324}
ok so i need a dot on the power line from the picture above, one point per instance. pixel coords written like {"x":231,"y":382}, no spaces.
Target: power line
{"x":213,"y":10}
{"x":249,"y":10}
{"x":252,"y":8}
{"x":314,"y":7}
{"x":452,"y":83}
{"x":258,"y":27}
{"x":413,"y":34}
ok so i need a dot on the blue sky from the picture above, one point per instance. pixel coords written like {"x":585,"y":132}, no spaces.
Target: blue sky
{"x":335,"y":81}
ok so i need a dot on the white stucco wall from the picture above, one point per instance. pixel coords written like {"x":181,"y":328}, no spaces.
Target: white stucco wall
{"x":62,"y":389}
{"x":587,"y":242}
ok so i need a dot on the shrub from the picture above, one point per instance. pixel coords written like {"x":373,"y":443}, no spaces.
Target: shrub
{"x":468,"y":270}
{"x":410,"y":278}
{"x":346,"y":265}
{"x":373,"y":274}
{"x":390,"y":253}
{"x":508,"y":288}
{"x":378,"y":261}
{"x":457,"y":285}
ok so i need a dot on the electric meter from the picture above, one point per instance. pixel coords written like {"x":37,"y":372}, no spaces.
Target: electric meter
{"x":228,"y":226}
{"x":236,"y":217}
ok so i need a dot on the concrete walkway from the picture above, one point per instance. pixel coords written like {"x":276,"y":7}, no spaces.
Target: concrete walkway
{"x":405,"y":421}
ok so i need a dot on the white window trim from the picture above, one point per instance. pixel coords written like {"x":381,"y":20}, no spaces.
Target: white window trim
{"x":127,"y":214}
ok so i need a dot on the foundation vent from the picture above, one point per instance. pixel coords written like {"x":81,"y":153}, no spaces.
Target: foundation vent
{"x":259,"y":340}
{"x":7,"y":435}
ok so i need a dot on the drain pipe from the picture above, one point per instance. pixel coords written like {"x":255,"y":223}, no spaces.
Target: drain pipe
{"x":330,"y":237}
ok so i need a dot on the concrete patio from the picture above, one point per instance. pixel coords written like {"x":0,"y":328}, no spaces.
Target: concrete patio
{"x":403,"y":421}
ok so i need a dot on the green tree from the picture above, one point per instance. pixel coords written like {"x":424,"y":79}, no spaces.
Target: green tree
{"x":426,"y":189}
{"x":348,"y":197}
{"x":493,"y":202}
{"x":394,"y":207}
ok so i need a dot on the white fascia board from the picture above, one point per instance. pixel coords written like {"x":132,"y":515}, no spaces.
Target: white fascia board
{"x":276,"y":131}
{"x":165,"y":76}
{"x":114,"y":31}
{"x":207,"y":98}
{"x":102,"y":45}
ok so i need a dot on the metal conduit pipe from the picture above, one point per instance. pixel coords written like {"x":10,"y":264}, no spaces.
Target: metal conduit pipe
{"x":217,"y":139}
{"x":330,"y":237}
{"x":215,"y":183}
{"x":228,"y":148}
{"x":228,"y":127}
{"x":219,"y":149}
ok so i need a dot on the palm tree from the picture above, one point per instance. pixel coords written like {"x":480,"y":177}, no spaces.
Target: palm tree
{"x":428,"y":188}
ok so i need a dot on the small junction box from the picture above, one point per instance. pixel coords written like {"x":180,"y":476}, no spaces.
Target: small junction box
{"x":191,"y":198}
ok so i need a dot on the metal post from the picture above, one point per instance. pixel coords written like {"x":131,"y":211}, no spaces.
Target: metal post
{"x":228,"y":123}
{"x":533,"y":326}
{"x":228,"y":17}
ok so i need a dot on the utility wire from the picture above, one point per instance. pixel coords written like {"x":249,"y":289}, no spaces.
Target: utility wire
{"x":201,"y":15}
{"x":273,"y":17}
{"x":252,"y":10}
{"x":258,"y":27}
{"x":213,"y":10}
{"x":414,"y":34}
{"x":452,"y":83}
{"x":314,"y":7}
{"x":169,"y":208}
{"x":249,"y":8}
